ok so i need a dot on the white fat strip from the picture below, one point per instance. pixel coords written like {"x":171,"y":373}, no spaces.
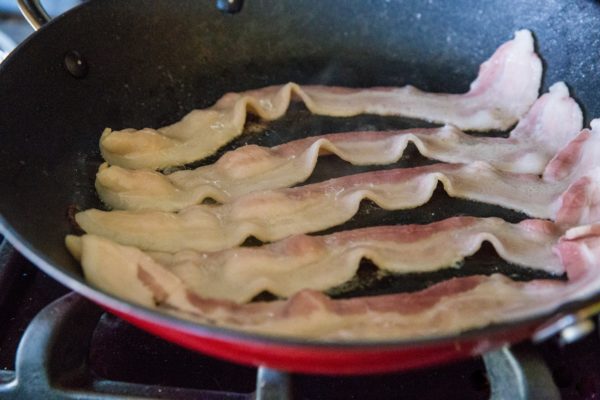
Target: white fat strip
{"x":445,"y":308}
{"x":275,"y":214}
{"x":554,"y":120}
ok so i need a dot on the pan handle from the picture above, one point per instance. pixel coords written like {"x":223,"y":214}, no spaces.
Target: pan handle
{"x":34,"y":13}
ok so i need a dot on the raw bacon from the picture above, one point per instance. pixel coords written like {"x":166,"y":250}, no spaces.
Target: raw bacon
{"x":194,"y":270}
{"x":445,"y":308}
{"x":506,"y":87}
{"x":322,"y":262}
{"x":553,"y":121}
{"x":568,"y":193}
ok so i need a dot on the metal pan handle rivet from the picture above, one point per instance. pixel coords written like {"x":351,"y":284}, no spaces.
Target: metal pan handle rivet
{"x":76,"y":64}
{"x":229,"y":6}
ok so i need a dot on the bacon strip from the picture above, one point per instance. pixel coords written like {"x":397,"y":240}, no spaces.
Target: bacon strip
{"x":568,"y":193}
{"x":506,"y":87}
{"x":553,"y":121}
{"x":445,"y":308}
{"x":322,"y":262}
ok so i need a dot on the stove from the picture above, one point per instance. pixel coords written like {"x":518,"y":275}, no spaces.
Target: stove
{"x":54,"y":344}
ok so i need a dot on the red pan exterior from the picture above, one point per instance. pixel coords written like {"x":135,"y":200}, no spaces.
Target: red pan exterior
{"x":304,"y":358}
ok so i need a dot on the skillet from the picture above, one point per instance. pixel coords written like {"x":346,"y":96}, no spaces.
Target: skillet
{"x":136,"y":63}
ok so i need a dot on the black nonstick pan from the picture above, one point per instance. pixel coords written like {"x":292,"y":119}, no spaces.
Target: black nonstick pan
{"x":139,"y":63}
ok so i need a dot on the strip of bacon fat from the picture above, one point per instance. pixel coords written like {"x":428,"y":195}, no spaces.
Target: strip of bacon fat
{"x":322,"y":262}
{"x":568,"y":192}
{"x":553,"y":121}
{"x":445,"y":308}
{"x":506,"y":87}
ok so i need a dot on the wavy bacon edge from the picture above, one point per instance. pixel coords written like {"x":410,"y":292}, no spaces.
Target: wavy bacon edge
{"x":567,"y":193}
{"x":445,"y":308}
{"x":323,"y":262}
{"x":507,"y":85}
{"x":554,"y":119}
